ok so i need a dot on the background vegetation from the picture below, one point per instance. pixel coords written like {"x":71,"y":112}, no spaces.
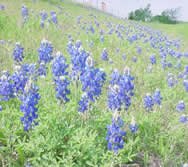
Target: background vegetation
{"x":168,"y":16}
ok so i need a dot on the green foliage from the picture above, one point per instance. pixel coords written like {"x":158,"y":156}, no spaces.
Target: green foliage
{"x":168,"y":16}
{"x":142,"y":14}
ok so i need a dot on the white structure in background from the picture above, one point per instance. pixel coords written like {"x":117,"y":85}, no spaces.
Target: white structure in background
{"x":99,"y":4}
{"x":103,"y":5}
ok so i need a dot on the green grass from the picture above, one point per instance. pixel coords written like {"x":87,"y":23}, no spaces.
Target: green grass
{"x":175,"y":31}
{"x":63,"y":136}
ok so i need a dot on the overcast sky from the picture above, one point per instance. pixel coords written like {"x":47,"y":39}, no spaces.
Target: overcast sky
{"x":123,"y":7}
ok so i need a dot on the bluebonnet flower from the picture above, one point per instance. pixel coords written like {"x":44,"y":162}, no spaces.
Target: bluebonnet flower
{"x":92,"y":80}
{"x":97,"y":23}
{"x":102,"y":38}
{"x":181,"y":75}
{"x":163,"y":63}
{"x":83,"y":103}
{"x":185,"y":83}
{"x":92,"y":29}
{"x":70,"y":46}
{"x":27,"y":163}
{"x":6,"y":87}
{"x":45,"y":51}
{"x":42,"y":70}
{"x":28,"y":69}
{"x":133,"y":126}
{"x":1,"y":108}
{"x":25,"y":13}
{"x":157,"y":97}
{"x":78,"y":56}
{"x":117,"y":50}
{"x":139,"y":50}
{"x":54,"y":17}
{"x":101,"y":32}
{"x":183,"y":119}
{"x":19,"y":81}
{"x":111,"y":31}
{"x":114,"y":100}
{"x":120,"y":90}
{"x":172,"y":81}
{"x":62,"y":90}
{"x":59,"y":70}
{"x":132,"y":38}
{"x":124,"y":56}
{"x":126,"y":89}
{"x":44,"y":17}
{"x":153,"y":59}
{"x":115,"y":135}
{"x":42,"y":24}
{"x":78,"y":44}
{"x":180,"y":106}
{"x":2,"y":42}
{"x":186,"y":69}
{"x":148,"y":102}
{"x":115,"y":77}
{"x":18,"y":53}
{"x":59,"y":65}
{"x":163,"y":55}
{"x":78,"y":19}
{"x":29,"y":101}
{"x":21,"y":76}
{"x":119,"y":35}
{"x":134,"y":59}
{"x":169,"y":64}
{"x":186,"y":54}
{"x":178,"y":55}
{"x":104,"y":55}
{"x":2,"y":7}
{"x":172,"y":52}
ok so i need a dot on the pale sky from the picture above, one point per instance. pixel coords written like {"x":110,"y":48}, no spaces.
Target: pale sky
{"x":123,"y":7}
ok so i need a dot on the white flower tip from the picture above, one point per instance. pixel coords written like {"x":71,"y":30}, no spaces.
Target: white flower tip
{"x":3,"y":77}
{"x":115,"y":70}
{"x":17,"y":43}
{"x":44,"y":41}
{"x":84,"y":95}
{"x":81,"y":49}
{"x":62,"y":77}
{"x":58,"y":53}
{"x":17,"y":68}
{"x":102,"y":69}
{"x":126,"y":70}
{"x":89,"y":62}
{"x":181,"y":101}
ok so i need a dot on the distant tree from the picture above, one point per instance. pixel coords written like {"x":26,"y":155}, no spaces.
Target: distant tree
{"x":168,"y":16}
{"x":172,"y":14}
{"x":142,"y":14}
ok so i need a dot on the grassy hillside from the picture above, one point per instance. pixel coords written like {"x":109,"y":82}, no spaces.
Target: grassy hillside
{"x":66,"y":137}
{"x":175,"y":31}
